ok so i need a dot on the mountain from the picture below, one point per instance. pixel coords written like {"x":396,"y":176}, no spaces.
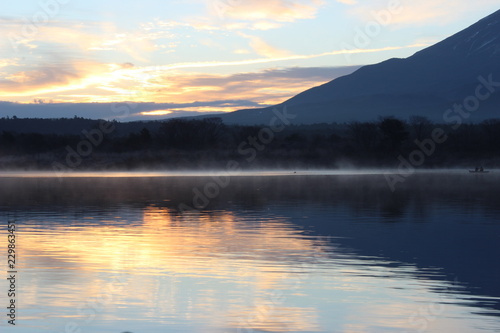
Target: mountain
{"x":427,"y":84}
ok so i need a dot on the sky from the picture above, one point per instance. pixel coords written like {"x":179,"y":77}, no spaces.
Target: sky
{"x":160,"y":59}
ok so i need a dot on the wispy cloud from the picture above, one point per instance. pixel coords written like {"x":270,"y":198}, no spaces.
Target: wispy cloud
{"x":49,"y":78}
{"x":273,"y":10}
{"x":89,"y":39}
{"x":267,"y":87}
{"x":257,"y":14}
{"x":8,"y":62}
{"x":264,"y":49}
{"x":418,"y":12}
{"x":283,"y":58}
{"x":112,"y":82}
{"x":348,"y":2}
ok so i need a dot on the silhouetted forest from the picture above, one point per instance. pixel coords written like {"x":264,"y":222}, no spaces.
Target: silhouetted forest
{"x":84,"y":144}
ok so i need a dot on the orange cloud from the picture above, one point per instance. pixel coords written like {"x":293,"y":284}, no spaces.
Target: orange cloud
{"x":68,"y":76}
{"x":162,"y":84}
{"x":115,"y":83}
{"x":266,"y":88}
{"x":257,"y":14}
{"x":156,"y":113}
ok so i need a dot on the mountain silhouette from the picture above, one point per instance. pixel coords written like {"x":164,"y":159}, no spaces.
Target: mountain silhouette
{"x":426,"y":84}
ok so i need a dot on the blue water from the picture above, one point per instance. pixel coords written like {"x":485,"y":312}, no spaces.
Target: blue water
{"x":315,"y":252}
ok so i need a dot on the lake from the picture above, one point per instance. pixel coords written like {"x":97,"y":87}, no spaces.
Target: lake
{"x":253,"y":252}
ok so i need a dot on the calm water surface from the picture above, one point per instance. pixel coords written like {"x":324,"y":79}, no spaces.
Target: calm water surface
{"x":270,"y":252}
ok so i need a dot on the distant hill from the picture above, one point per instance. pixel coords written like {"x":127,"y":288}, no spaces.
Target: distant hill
{"x":426,"y":84}
{"x":70,"y":126}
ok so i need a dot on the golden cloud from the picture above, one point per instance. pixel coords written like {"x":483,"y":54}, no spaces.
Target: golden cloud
{"x":55,"y":78}
{"x":272,"y":10}
{"x":167,"y":83}
{"x":8,"y":62}
{"x":256,"y":14}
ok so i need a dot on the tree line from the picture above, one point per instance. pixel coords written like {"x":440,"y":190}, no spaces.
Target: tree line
{"x":198,"y":143}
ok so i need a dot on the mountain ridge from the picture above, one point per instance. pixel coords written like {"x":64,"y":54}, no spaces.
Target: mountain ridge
{"x":426,"y":83}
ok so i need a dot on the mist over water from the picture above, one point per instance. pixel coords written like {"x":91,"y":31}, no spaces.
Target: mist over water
{"x":146,"y":173}
{"x":311,"y":251}
{"x":250,"y":172}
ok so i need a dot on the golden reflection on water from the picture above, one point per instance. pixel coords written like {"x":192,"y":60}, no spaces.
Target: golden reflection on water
{"x":163,"y":246}
{"x":219,"y":269}
{"x":163,"y":242}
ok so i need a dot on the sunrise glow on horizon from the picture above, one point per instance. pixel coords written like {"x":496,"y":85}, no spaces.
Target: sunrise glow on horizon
{"x":203,"y":55}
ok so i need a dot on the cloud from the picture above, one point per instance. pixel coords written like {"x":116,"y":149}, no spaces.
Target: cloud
{"x":299,"y":73}
{"x":418,"y":12}
{"x":8,"y":62}
{"x":114,"y":110}
{"x":49,"y":78}
{"x":267,"y":87}
{"x":257,"y":14}
{"x":127,"y":65}
{"x":91,"y":38}
{"x":213,"y":93}
{"x":74,"y":80}
{"x":273,"y":10}
{"x":208,"y":64}
{"x":24,"y":37}
{"x":241,"y":51}
{"x":264,"y":49}
{"x":79,"y":81}
{"x":211,"y":24}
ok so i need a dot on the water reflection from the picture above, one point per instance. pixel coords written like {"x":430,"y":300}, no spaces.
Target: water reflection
{"x":305,"y":254}
{"x":163,"y":255}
